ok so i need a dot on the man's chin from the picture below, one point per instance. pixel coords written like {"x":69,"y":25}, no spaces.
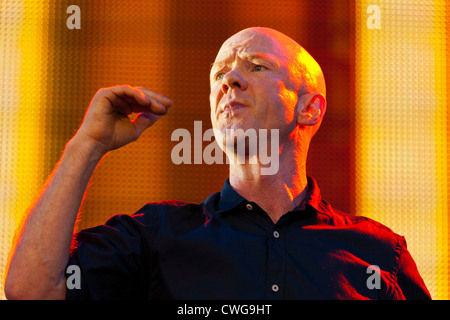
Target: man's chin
{"x":233,"y":126}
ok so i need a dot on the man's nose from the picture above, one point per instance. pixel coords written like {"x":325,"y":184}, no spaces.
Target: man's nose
{"x":233,"y":80}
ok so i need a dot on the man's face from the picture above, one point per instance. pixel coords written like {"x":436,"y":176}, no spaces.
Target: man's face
{"x":251,"y":87}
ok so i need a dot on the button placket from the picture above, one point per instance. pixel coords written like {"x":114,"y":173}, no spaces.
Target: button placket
{"x":276,"y":264}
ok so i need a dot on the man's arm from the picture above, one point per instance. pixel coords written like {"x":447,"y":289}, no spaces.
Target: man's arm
{"x":41,"y":247}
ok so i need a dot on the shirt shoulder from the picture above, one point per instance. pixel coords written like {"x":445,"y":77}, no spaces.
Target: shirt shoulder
{"x":381,"y":243}
{"x":362,"y":224}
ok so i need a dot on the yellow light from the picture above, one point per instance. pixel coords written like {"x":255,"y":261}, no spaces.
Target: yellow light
{"x":24,"y":43}
{"x":401,"y":131}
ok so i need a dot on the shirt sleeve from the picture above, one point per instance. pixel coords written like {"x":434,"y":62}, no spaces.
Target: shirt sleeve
{"x":111,"y":261}
{"x":410,"y":285}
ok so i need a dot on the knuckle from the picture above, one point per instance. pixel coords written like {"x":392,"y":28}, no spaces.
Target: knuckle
{"x":102,"y":91}
{"x":125,"y":86}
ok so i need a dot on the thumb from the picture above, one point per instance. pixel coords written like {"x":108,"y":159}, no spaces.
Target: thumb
{"x":144,"y":120}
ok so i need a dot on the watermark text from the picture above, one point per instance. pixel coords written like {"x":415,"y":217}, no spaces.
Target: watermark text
{"x":250,"y":147}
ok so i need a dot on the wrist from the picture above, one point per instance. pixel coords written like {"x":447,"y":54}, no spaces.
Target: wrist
{"x":84,"y":150}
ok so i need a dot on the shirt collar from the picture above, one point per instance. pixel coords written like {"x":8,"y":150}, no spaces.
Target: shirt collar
{"x":229,"y":198}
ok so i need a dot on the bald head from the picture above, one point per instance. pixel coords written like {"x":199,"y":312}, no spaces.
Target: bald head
{"x":303,"y":68}
{"x":262,"y":79}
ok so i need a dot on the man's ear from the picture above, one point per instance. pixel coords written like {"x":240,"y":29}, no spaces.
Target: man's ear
{"x":311,"y":109}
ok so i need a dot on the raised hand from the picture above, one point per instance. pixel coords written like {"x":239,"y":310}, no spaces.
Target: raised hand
{"x":107,"y":123}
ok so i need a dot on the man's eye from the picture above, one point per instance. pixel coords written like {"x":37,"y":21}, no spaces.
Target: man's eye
{"x":219,"y":76}
{"x":259,"y":68}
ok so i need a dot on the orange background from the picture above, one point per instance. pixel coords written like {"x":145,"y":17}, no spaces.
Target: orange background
{"x":51,"y":73}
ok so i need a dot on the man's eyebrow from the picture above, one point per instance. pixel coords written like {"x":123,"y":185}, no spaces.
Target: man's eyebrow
{"x":216,"y":64}
{"x":270,"y":58}
{"x":221,"y":63}
{"x":250,"y":57}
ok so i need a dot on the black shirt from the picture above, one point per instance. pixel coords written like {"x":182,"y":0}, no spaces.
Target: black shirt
{"x":228,"y":248}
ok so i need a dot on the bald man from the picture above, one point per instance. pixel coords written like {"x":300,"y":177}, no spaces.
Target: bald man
{"x":263,"y":236}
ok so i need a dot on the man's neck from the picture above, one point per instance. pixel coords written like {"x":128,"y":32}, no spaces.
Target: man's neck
{"x":276,"y":194}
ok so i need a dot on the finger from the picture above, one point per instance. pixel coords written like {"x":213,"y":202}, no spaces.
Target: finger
{"x":124,"y":105}
{"x":127,"y":92}
{"x":143,"y":121}
{"x":157,"y":107}
{"x":130,"y":95}
{"x":126,"y":100}
{"x":159,"y":97}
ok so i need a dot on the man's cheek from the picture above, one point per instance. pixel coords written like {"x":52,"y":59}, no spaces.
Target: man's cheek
{"x":214,"y":98}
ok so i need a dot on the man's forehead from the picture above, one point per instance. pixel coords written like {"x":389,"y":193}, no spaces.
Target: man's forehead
{"x":249,"y":42}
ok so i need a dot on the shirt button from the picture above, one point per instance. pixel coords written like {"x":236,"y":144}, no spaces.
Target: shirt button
{"x":276,"y":234}
{"x":275,"y":288}
{"x":249,"y":206}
